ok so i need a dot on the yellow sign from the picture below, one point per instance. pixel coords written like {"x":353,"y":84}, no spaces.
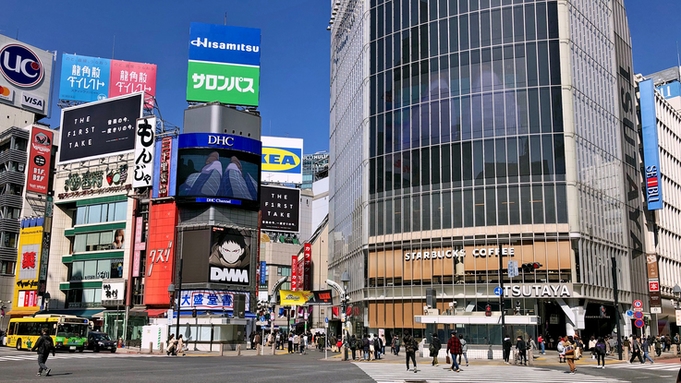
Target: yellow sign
{"x":28,"y":267}
{"x":294,"y":298}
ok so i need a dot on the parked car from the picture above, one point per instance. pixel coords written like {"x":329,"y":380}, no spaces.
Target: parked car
{"x":97,"y":341}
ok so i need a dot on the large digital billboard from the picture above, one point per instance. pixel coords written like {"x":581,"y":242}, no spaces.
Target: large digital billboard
{"x":219,"y":255}
{"x":218,"y":168}
{"x":280,"y":209}
{"x":160,"y":253}
{"x":282,"y":160}
{"x":88,"y":79}
{"x":25,"y":73}
{"x":651,"y":147}
{"x":28,"y":265}
{"x":224,"y":64}
{"x":99,"y":128}
{"x":39,"y":160}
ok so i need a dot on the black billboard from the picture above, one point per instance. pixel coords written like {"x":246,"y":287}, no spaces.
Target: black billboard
{"x":280,"y":208}
{"x":99,"y":128}
{"x":230,"y":257}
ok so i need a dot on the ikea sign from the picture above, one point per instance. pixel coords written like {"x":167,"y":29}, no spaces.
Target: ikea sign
{"x":282,"y":160}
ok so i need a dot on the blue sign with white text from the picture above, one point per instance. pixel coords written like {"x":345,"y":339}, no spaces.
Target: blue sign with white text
{"x":224,"y":44}
{"x":219,"y":141}
{"x":263,"y":272}
{"x":651,"y":150}
{"x":84,"y":78}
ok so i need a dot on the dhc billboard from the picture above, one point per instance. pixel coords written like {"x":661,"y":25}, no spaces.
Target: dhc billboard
{"x":651,"y":151}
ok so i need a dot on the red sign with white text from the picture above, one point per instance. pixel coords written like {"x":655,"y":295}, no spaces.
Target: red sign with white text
{"x":307,"y":271}
{"x":294,"y":272}
{"x":654,"y":285}
{"x":160,"y":257}
{"x":39,"y":158}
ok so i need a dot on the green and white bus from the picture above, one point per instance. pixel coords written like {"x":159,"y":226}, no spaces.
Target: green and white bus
{"x":68,"y":332}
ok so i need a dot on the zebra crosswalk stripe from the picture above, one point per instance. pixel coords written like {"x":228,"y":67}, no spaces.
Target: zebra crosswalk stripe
{"x":387,"y":373}
{"x":647,"y":366}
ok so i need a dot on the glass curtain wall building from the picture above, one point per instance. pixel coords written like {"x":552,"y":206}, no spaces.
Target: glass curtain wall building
{"x":470,"y":138}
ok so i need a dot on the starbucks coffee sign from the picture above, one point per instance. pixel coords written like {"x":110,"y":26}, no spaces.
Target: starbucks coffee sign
{"x":482,"y":252}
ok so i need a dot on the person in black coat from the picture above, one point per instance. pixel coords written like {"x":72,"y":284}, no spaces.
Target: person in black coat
{"x":507,"y":348}
{"x":521,"y":346}
{"x":44,"y":346}
{"x":435,"y":347}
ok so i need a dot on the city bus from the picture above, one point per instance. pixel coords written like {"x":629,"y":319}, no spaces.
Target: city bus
{"x":68,"y":332}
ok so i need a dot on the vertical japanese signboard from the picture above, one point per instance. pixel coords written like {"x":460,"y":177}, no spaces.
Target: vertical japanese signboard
{"x":263,"y":272}
{"x":224,"y":64}
{"x":164,"y":174}
{"x":307,"y":270}
{"x":294,"y":272}
{"x":30,"y":241}
{"x":651,"y":149}
{"x":144,"y":152}
{"x":39,"y":160}
{"x":160,"y":251}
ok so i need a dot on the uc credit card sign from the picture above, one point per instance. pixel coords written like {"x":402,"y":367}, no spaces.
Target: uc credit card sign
{"x":224,"y":64}
{"x":282,"y":160}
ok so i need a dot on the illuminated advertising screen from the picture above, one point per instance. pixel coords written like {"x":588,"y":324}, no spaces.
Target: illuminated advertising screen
{"x":39,"y":160}
{"x":280,"y":209}
{"x":160,"y":253}
{"x":99,"y":128}
{"x":219,"y":169}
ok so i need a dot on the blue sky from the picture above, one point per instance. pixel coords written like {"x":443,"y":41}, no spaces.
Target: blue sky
{"x":294,"y":98}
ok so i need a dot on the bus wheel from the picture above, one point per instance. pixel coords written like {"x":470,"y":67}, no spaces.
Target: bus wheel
{"x":18,"y":344}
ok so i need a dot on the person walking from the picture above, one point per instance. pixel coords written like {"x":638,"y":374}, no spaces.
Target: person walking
{"x":592,"y":346}
{"x":353,"y":346}
{"x":531,"y":347}
{"x":540,"y":340}
{"x":434,"y":348}
{"x":627,"y":347}
{"x":410,"y":347}
{"x":464,"y":349}
{"x":366,"y":348}
{"x":378,"y":347}
{"x":599,"y":351}
{"x":645,"y":347}
{"x":454,"y":349}
{"x":507,"y":348}
{"x":397,"y":344}
{"x":180,"y":345}
{"x":44,"y":346}
{"x":521,"y":346}
{"x":570,"y":350}
{"x":635,"y":350}
{"x":290,"y":343}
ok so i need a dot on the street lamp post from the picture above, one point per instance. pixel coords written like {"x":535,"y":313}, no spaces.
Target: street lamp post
{"x":345,"y":278}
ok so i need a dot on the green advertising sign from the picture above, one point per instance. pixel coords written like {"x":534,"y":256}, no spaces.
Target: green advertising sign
{"x":225,"y":83}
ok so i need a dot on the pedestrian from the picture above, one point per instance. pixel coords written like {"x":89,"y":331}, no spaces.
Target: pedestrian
{"x":434,"y":348}
{"x":382,"y":337}
{"x":398,"y":343}
{"x":635,"y":350}
{"x":531,"y":347}
{"x":44,"y":346}
{"x":627,"y":347}
{"x":410,"y":347}
{"x":464,"y":349}
{"x":353,"y":347}
{"x":180,"y":345}
{"x":454,"y":349}
{"x":366,"y":347}
{"x":658,"y":346}
{"x":507,"y":348}
{"x":570,"y":350}
{"x":521,"y":346}
{"x":540,"y":340}
{"x":378,"y":347}
{"x":257,"y":340}
{"x":592,"y":346}
{"x":171,"y":345}
{"x":645,"y":347}
{"x":599,"y":351}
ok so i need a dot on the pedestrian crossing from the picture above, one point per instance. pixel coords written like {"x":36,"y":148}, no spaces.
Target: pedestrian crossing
{"x":674,"y":367}
{"x":392,"y":373}
{"x":32,"y":356}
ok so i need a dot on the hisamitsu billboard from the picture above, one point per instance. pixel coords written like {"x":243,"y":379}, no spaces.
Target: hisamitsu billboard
{"x":224,"y":44}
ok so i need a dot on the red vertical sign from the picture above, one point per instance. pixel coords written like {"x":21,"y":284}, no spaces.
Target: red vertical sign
{"x":307,"y":272}
{"x":164,"y":174}
{"x":301,"y":274}
{"x":139,"y":246}
{"x":294,"y":272}
{"x":160,"y":263}
{"x":38,"y":175}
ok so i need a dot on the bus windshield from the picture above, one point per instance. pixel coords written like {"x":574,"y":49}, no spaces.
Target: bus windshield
{"x":69,"y":330}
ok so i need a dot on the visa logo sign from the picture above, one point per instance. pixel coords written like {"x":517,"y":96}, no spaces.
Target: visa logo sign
{"x":32,"y":101}
{"x":280,"y":159}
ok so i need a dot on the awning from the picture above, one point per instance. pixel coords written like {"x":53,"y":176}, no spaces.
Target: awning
{"x":21,"y":313}
{"x":156,"y":313}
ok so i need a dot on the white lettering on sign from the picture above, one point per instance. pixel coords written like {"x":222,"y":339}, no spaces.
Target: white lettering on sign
{"x":159,"y":256}
{"x":221,"y":140}
{"x":219,"y":274}
{"x":537,"y":291}
{"x":477,"y":253}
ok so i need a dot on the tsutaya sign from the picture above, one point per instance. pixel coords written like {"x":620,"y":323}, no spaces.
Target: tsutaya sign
{"x":476,"y":252}
{"x":549,"y":290}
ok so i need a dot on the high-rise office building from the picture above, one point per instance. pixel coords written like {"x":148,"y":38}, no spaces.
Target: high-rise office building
{"x":483,"y":148}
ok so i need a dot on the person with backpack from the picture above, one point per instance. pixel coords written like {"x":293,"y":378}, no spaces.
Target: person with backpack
{"x":434,"y":349}
{"x":44,"y":346}
{"x":410,"y":347}
{"x":599,"y":351}
{"x":366,"y":347}
{"x":353,"y":346}
{"x":521,"y":346}
{"x":378,"y":347}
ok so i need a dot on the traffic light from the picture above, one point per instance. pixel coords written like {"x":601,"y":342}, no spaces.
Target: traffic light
{"x":488,"y":310}
{"x":531,"y":267}
{"x":194,"y":313}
